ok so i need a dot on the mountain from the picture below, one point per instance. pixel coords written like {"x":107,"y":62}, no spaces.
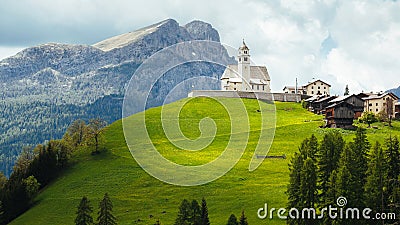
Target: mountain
{"x":44,"y":88}
{"x":396,"y":91}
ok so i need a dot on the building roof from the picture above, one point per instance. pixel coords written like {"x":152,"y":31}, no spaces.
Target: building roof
{"x":311,"y":99}
{"x":293,"y":87}
{"x":343,"y":98}
{"x":327,"y":98}
{"x":378,"y":96}
{"x":235,"y":80}
{"x":311,"y":82}
{"x":256,"y":72}
{"x":334,"y":105}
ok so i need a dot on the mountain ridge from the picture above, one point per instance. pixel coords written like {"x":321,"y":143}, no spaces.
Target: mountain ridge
{"x":59,"y":74}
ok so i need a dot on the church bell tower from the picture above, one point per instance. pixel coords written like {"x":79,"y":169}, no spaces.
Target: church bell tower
{"x":244,"y":66}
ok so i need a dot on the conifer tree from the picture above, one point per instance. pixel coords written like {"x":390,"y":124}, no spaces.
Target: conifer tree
{"x":376,"y":179}
{"x":195,"y":213}
{"x":204,"y":220}
{"x":105,"y":212}
{"x":346,"y":90}
{"x":293,"y":192}
{"x":184,"y":213}
{"x":308,"y":184}
{"x":1,"y":213}
{"x":243,"y":219}
{"x":328,"y":160}
{"x":232,"y":220}
{"x":83,"y":216}
{"x":393,"y":160}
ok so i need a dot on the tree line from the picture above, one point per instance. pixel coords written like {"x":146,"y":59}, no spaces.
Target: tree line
{"x":367,"y":176}
{"x":36,"y":168}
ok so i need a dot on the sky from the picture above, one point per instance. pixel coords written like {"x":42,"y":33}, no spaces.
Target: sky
{"x":349,"y":42}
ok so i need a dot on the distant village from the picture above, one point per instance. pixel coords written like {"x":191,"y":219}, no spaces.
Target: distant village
{"x":249,"y":81}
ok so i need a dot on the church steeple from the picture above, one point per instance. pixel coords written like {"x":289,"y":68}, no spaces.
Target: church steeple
{"x":244,"y":65}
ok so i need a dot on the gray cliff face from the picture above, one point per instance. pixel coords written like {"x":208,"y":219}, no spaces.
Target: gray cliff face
{"x":200,"y":30}
{"x":64,"y":82}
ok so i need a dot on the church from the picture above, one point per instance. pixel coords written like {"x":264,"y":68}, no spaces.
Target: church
{"x":245,"y":77}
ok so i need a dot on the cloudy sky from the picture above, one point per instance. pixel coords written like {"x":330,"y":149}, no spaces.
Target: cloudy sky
{"x":342,"y":42}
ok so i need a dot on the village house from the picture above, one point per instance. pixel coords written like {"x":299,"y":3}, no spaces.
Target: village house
{"x":340,"y":115}
{"x":245,"y":77}
{"x":318,"y":106}
{"x":292,"y":90}
{"x":383,"y":102}
{"x":313,"y":88}
{"x":397,"y":110}
{"x":343,"y":110}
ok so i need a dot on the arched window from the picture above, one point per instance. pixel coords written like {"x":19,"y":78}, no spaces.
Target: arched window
{"x":245,"y":59}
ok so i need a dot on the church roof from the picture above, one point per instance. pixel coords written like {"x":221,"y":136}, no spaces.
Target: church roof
{"x":256,"y":73}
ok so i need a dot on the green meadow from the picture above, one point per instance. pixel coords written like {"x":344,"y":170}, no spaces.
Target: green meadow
{"x":139,"y":198}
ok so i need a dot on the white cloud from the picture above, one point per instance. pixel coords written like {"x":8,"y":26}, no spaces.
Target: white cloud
{"x":282,"y":34}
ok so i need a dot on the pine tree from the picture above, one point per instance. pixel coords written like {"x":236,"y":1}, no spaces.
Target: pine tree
{"x":195,"y":214}
{"x":84,"y":212}
{"x":376,"y":179}
{"x":232,"y":220}
{"x":328,"y":160}
{"x":393,"y":176}
{"x":393,"y":159}
{"x":293,"y":191}
{"x":346,"y":90}
{"x":204,"y":213}
{"x":309,"y":148}
{"x":359,"y":149}
{"x":243,"y":219}
{"x":184,"y":213}
{"x":105,"y":214}
{"x":308,"y":183}
{"x":1,"y":213}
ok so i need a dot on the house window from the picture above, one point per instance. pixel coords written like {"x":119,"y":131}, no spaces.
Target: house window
{"x":370,"y":110}
{"x":370,"y":104}
{"x":263,"y":87}
{"x":312,"y":92}
{"x":293,"y":92}
{"x":240,"y":59}
{"x":312,"y":87}
{"x":245,"y":59}
{"x":377,"y":104}
{"x":252,"y":86}
{"x":234,"y":89}
{"x":376,"y":110}
{"x":319,"y":87}
{"x":245,"y":52}
{"x":324,"y":87}
{"x":258,"y":87}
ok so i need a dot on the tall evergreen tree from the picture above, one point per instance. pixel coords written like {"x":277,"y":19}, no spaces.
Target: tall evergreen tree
{"x":309,"y":148}
{"x":328,"y":160}
{"x":243,"y":219}
{"x":376,"y":179}
{"x":346,"y":90}
{"x":232,"y":220}
{"x":184,"y":213}
{"x":293,"y":191}
{"x":393,"y":159}
{"x":83,"y":216}
{"x":392,"y":155}
{"x":1,"y":213}
{"x":105,"y":213}
{"x":359,"y":149}
{"x":195,"y":213}
{"x":204,"y":213}
{"x":308,"y":184}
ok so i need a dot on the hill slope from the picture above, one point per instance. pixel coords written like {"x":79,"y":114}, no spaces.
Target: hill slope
{"x":141,"y":199}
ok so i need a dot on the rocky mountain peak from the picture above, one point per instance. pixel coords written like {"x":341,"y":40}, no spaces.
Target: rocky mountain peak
{"x":200,"y":30}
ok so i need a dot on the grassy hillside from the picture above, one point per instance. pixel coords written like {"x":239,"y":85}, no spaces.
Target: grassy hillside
{"x":139,"y":198}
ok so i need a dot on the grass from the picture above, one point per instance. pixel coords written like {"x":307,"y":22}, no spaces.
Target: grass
{"x":139,"y":198}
